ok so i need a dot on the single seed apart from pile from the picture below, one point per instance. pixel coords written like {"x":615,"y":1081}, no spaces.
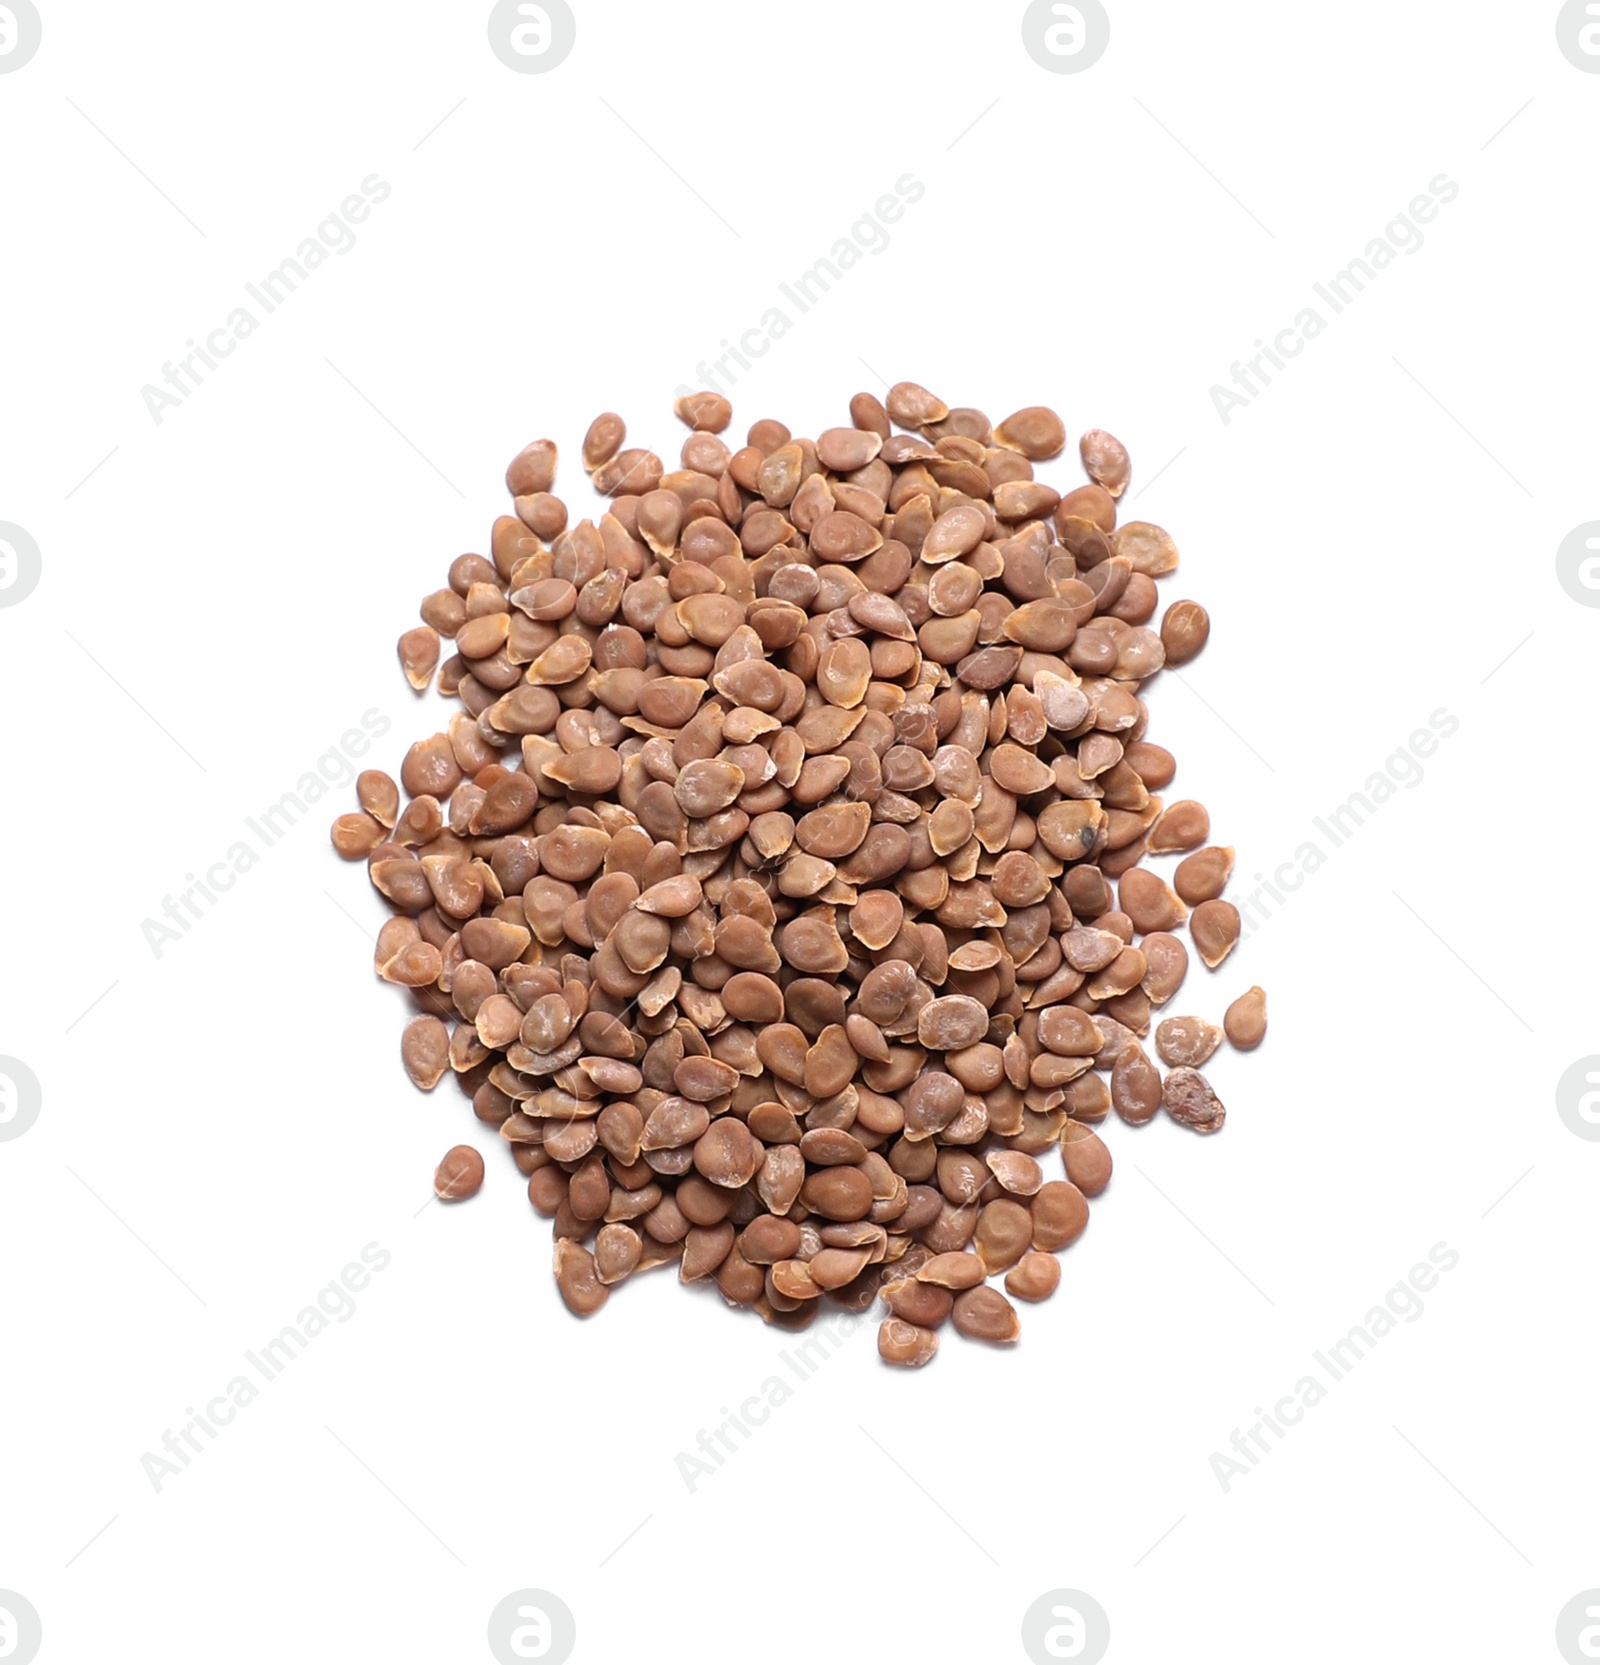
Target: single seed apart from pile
{"x":1246,"y":1020}
{"x":778,"y":891}
{"x":459,"y":1175}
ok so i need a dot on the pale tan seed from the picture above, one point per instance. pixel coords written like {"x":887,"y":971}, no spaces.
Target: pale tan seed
{"x":1245,"y":1021}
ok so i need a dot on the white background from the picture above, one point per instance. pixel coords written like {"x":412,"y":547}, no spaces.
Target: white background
{"x":225,"y":1126}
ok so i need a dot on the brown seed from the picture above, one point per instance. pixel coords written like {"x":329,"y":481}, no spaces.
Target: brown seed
{"x":707,"y":413}
{"x":459,"y":1175}
{"x":1185,"y":626}
{"x":1215,"y":927}
{"x":1188,"y":1098}
{"x":1201,"y":877}
{"x":603,"y":440}
{"x":1245,"y":1021}
{"x":419,"y":656}
{"x":909,"y":1298}
{"x":1187,"y":1040}
{"x":1135,"y":1086}
{"x":1059,"y":1215}
{"x":913,"y":406}
{"x":1184,"y":825}
{"x":779,"y":890}
{"x":578,"y":1278}
{"x":984,"y":1314}
{"x":425,"y":1051}
{"x":1037,"y":432}
{"x":356,"y":835}
{"x":727,"y":1154}
{"x":1105,"y":461}
{"x":906,"y":1344}
{"x":1149,"y":901}
{"x":838,"y":1194}
{"x":1034,"y":1277}
{"x":1001,"y":1237}
{"x":952,"y":1271}
{"x":951,"y":1022}
{"x":1088,"y":1161}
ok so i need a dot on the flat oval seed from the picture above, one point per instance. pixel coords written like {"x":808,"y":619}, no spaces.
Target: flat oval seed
{"x":1187,"y":1040}
{"x":1105,"y":461}
{"x":1087,"y":1160}
{"x":1059,"y":1214}
{"x":906,"y":1344}
{"x":984,"y":1314}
